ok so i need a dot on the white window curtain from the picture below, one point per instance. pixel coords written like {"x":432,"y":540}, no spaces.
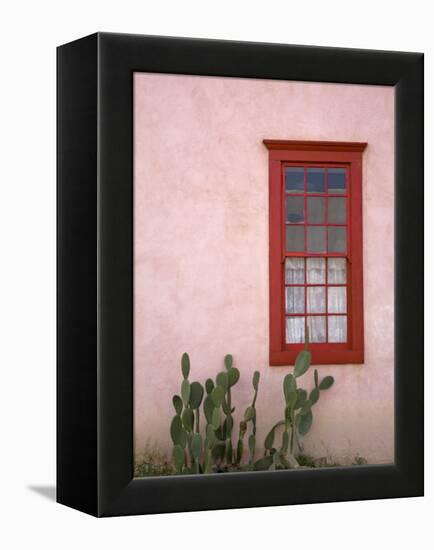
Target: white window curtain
{"x":314,"y":302}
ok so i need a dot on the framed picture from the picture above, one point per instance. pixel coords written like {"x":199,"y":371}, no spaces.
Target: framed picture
{"x":240,"y":274}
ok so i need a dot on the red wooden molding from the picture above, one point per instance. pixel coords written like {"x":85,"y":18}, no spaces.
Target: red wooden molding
{"x":299,"y":145}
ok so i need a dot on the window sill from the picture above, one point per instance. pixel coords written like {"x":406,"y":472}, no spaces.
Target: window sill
{"x":319,"y":356}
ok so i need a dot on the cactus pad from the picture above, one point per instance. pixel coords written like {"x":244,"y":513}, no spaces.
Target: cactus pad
{"x":233,"y":376}
{"x":178,"y":458}
{"x":255,"y":380}
{"x":196,"y":446}
{"x":222,"y":380}
{"x":177,"y":403}
{"x":196,"y":395}
{"x":217,"y":395}
{"x":302,"y":363}
{"x":185,"y":392}
{"x":185,"y":365}
{"x":228,"y":361}
{"x":209,"y":386}
{"x":188,"y":419}
{"x":326,"y":383}
{"x":304,"y":423}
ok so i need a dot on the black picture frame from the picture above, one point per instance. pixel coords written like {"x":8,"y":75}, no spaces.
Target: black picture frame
{"x":95,"y":274}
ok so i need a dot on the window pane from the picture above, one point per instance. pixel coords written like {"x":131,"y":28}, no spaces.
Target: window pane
{"x":294,"y":180}
{"x":337,"y":180}
{"x":295,"y":209}
{"x":294,"y":271}
{"x":337,"y":210}
{"x":317,"y":329}
{"x":295,"y":330}
{"x":316,"y":299}
{"x":315,"y":180}
{"x":337,"y":239}
{"x":337,"y":299}
{"x":294,"y":299}
{"x":316,"y":271}
{"x":337,"y":328}
{"x":294,"y":238}
{"x":337,"y":270}
{"x":316,"y":210}
{"x":316,"y":239}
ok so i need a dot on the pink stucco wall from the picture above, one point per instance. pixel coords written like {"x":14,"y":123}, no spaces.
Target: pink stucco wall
{"x":201,"y":249}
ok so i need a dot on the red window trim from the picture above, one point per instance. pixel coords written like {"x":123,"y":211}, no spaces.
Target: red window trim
{"x":346,"y":154}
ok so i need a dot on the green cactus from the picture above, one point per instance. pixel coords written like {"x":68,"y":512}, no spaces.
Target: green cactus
{"x":177,"y":432}
{"x":264,"y":463}
{"x":229,"y":450}
{"x":217,"y":396}
{"x":233,"y":376}
{"x":302,"y":363}
{"x":269,"y":439}
{"x":249,"y":417}
{"x":222,"y":381}
{"x":196,"y":446}
{"x":252,"y":447}
{"x":218,"y":451}
{"x":185,"y":365}
{"x":240,"y":444}
{"x":209,"y":443}
{"x":290,"y":390}
{"x":196,"y":396}
{"x":182,"y":425}
{"x":217,"y":446}
{"x":209,"y":386}
{"x":188,"y":420}
{"x":177,"y":403}
{"x":305,"y":422}
{"x":301,"y":398}
{"x":314,"y":396}
{"x":208,"y":408}
{"x":178,"y":458}
{"x":249,"y":414}
{"x":298,"y":416}
{"x":326,"y":383}
{"x":252,"y":437}
{"x":195,"y":453}
{"x":228,"y":360}
{"x":185,"y":392}
{"x":216,"y":419}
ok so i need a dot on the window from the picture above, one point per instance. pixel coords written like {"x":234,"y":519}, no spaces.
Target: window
{"x":316,"y":273}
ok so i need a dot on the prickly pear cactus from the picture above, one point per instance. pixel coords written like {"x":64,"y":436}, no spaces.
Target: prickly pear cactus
{"x":298,"y":416}
{"x":195,"y":453}
{"x":248,"y":419}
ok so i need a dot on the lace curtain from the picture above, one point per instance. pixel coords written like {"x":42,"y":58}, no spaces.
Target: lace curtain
{"x":301,"y":299}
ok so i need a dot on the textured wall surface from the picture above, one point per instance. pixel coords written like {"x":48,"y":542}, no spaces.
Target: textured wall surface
{"x":201,"y":249}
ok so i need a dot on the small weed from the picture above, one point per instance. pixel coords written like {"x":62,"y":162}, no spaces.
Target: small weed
{"x":359,"y":461}
{"x":306,"y":461}
{"x":153,"y":463}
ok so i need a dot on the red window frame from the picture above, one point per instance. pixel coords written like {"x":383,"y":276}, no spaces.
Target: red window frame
{"x":328,"y":154}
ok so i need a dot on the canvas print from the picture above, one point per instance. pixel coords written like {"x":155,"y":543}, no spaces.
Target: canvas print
{"x":263,"y":275}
